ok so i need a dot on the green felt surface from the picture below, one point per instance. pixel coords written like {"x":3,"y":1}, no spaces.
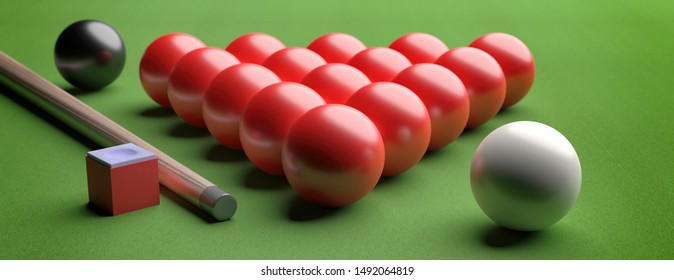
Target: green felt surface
{"x":604,"y":81}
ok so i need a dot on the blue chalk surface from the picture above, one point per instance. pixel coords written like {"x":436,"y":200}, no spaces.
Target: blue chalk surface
{"x":121,"y":155}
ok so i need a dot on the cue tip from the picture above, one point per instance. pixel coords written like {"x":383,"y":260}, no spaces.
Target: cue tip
{"x":218,"y":203}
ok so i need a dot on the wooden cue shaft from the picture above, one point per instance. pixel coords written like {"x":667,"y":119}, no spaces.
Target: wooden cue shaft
{"x":173,"y":175}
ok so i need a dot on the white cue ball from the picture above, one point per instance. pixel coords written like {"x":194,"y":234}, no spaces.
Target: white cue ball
{"x":525,"y":176}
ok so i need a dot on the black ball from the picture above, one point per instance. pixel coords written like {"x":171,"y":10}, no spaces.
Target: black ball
{"x":89,"y":54}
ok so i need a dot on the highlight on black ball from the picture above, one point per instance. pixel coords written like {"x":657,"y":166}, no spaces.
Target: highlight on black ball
{"x":89,"y":54}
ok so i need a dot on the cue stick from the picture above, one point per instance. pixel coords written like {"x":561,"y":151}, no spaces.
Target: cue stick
{"x":173,"y":175}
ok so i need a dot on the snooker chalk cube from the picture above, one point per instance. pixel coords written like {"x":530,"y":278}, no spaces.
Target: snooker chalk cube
{"x":122,"y":178}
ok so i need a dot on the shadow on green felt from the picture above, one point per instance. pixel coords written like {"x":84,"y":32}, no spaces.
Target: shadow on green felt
{"x":390,"y":183}
{"x":95,"y":210}
{"x":157,"y":112}
{"x":505,"y":112}
{"x":301,"y":210}
{"x":499,"y":237}
{"x":519,"y":112}
{"x":18,"y":96}
{"x":259,"y":180}
{"x":387,"y":181}
{"x":77,"y":91}
{"x":442,"y":152}
{"x":515,"y":111}
{"x":220,"y":153}
{"x":184,"y":130}
{"x":471,"y":132}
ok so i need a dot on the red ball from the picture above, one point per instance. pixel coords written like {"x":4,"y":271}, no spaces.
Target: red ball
{"x":254,"y":47}
{"x":402,"y":120}
{"x":292,"y":64}
{"x":190,"y":80}
{"x":445,"y":98}
{"x":515,"y":60}
{"x":268,"y":116}
{"x":483,"y":78}
{"x":419,"y":47}
{"x":337,"y":47}
{"x":227,"y":97}
{"x":158,"y":61}
{"x":333,"y":155}
{"x":380,"y":64}
{"x":336,"y":82}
